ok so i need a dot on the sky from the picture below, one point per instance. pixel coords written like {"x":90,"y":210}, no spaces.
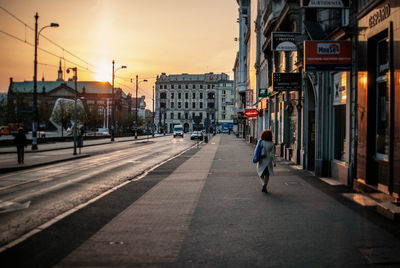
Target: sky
{"x":147,"y":36}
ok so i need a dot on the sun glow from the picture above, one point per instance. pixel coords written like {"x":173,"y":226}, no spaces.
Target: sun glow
{"x":103,"y":72}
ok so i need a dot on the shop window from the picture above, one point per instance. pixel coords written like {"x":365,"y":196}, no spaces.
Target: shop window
{"x":382,"y":101}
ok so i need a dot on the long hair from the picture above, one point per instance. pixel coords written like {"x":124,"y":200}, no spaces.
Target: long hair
{"x":266,"y":135}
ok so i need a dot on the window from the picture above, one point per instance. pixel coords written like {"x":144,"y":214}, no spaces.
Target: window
{"x":179,"y":95}
{"x":172,"y":105}
{"x":223,"y":100}
{"x":179,"y":105}
{"x":201,"y":105}
{"x":172,"y":115}
{"x":186,"y":86}
{"x":194,"y":95}
{"x":186,"y":95}
{"x":382,"y":100}
{"x":186,"y":116}
{"x":201,"y":86}
{"x":179,"y":115}
{"x":172,"y":86}
{"x":208,"y":86}
{"x":179,"y":86}
{"x":201,"y":95}
{"x":194,"y":87}
{"x":172,"y":95}
{"x":163,"y":95}
{"x":193,"y":105}
{"x":223,"y":92}
{"x":193,"y":115}
{"x":186,"y":105}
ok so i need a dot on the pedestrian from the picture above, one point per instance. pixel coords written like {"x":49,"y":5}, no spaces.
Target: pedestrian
{"x":20,"y":142}
{"x":80,"y":138}
{"x":265,"y":166}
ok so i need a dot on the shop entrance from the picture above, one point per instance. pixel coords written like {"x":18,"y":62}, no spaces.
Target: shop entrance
{"x":311,"y":126}
{"x":378,"y":111}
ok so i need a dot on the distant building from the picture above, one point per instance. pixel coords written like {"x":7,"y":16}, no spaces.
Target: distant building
{"x":96,"y":96}
{"x":189,"y":100}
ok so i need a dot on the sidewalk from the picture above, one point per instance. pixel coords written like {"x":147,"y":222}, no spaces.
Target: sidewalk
{"x":49,"y":153}
{"x":206,"y":209}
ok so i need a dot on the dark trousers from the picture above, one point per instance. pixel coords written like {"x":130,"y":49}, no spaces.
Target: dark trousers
{"x":20,"y":151}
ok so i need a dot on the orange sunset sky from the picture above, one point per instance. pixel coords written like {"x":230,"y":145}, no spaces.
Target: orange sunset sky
{"x":148,"y":36}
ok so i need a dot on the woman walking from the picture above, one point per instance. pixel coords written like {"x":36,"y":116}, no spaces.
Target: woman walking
{"x":267,"y":161}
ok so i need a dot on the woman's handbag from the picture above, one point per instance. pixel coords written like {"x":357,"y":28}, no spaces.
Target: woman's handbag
{"x":257,"y":153}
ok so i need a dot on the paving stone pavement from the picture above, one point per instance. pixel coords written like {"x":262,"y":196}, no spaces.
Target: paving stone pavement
{"x":206,"y":209}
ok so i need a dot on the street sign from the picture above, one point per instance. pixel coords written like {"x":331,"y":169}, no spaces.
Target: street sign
{"x":251,"y":113}
{"x":263,"y":93}
{"x":325,"y":3}
{"x":327,"y":56}
{"x":286,"y":81}
{"x":284,"y":41}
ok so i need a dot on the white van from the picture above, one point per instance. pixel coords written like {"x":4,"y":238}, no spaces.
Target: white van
{"x":178,"y":130}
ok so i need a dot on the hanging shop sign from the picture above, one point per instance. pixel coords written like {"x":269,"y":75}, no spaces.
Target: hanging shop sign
{"x":263,"y":93}
{"x":282,"y":41}
{"x":251,"y":113}
{"x":325,"y":3}
{"x":286,"y":81}
{"x":327,"y":56}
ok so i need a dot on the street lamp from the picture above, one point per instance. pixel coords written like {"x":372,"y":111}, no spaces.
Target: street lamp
{"x":34,"y":108}
{"x":136,"y":103}
{"x":75,"y":70}
{"x":113,"y":104}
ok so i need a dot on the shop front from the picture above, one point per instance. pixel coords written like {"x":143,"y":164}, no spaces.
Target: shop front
{"x":378,"y":152}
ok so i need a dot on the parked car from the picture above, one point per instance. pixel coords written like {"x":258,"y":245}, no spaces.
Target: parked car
{"x":102,"y":132}
{"x":197,"y":135}
{"x":178,"y":131}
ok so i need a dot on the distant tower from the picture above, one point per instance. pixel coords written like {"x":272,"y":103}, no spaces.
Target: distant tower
{"x":60,"y":73}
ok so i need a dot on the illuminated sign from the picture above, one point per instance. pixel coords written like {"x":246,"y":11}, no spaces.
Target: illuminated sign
{"x":286,"y":81}
{"x":251,"y":113}
{"x":327,"y":56}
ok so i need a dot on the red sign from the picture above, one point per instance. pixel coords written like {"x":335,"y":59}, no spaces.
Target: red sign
{"x":327,"y":56}
{"x":251,"y":113}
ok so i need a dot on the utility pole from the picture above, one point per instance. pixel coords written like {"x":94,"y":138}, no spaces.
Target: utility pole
{"x":34,"y":110}
{"x":152,"y":126}
{"x":112,"y":104}
{"x":136,"y":105}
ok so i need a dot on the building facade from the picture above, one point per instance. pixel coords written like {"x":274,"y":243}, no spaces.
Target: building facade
{"x":189,"y":100}
{"x":342,"y":121}
{"x":96,"y":96}
{"x":378,"y":81}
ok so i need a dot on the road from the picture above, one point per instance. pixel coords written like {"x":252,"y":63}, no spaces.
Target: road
{"x":30,"y":198}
